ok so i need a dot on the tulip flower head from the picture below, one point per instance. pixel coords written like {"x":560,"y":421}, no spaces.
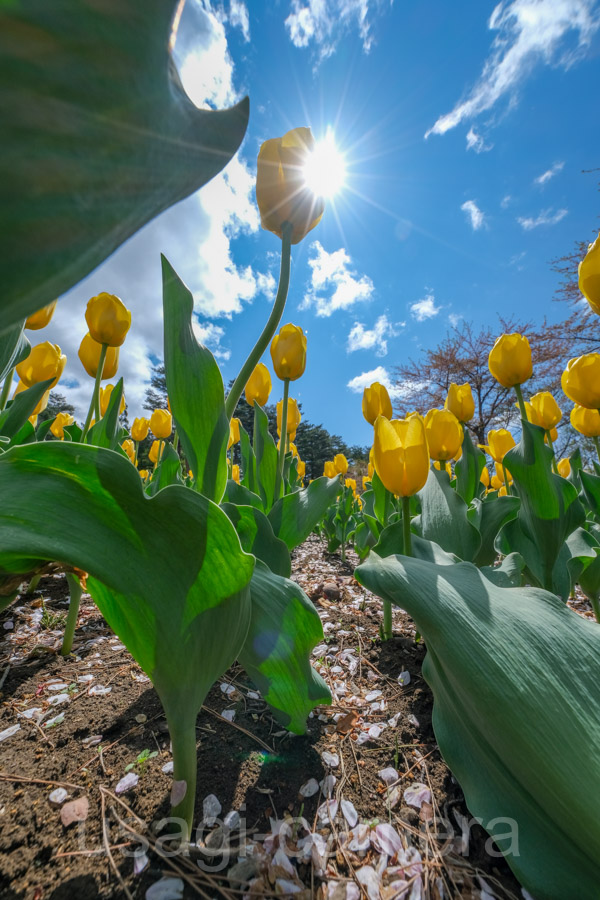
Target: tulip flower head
{"x":581,"y":380}
{"x":496,"y":483}
{"x":41,"y":318}
{"x":564,"y":467}
{"x":108,"y":319}
{"x":460,"y":402}
{"x":501,"y":472}
{"x":586,"y":421}
{"x":89,"y":354}
{"x":44,"y":361}
{"x":444,"y":434}
{"x":329,"y":470}
{"x":234,"y":433}
{"x":341,"y":463}
{"x":161,"y":423}
{"x":235,"y":473}
{"x":301,"y":468}
{"x":105,"y":394}
{"x":366,"y":482}
{"x":485,"y":476}
{"x":143,"y":474}
{"x":547,"y":410}
{"x":140,"y":428}
{"x":350,"y":483}
{"x":129,"y":448}
{"x":530,"y":412}
{"x":288,"y":352}
{"x":447,"y":466}
{"x":552,"y":433}
{"x":61,"y":421}
{"x":293,"y":417}
{"x":154,"y":451}
{"x":281,"y":190}
{"x":500,"y":441}
{"x":376,"y":402}
{"x":258,"y":386}
{"x":401,"y":454}
{"x":510,"y":360}
{"x":589,"y":276}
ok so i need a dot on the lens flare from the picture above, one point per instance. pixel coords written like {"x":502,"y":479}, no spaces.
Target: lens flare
{"x":325,"y":171}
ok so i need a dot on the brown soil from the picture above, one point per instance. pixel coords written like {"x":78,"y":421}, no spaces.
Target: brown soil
{"x":41,"y":859}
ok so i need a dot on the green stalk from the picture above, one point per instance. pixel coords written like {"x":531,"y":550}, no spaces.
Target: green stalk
{"x":94,"y":404}
{"x":406,"y":526}
{"x":175,"y":441}
{"x":6,"y":389}
{"x":597,"y":445}
{"x":387,"y":606}
{"x":75,"y":590}
{"x":506,"y":484}
{"x":185,"y":765}
{"x":269,"y":330}
{"x":596,"y":608}
{"x":519,"y":394}
{"x":282,"y":436}
{"x":33,"y":583}
{"x":551,"y":445}
{"x":135,"y":458}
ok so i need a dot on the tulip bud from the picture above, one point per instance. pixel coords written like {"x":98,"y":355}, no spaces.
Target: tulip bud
{"x":153,"y":454}
{"x":140,"y":428}
{"x":401,"y":454}
{"x":288,"y":352}
{"x":234,"y":433}
{"x":589,"y":276}
{"x":41,"y":318}
{"x":376,"y":402}
{"x":329,"y":469}
{"x":496,"y":483}
{"x":485,"y":476}
{"x":235,"y":473}
{"x":105,"y":394}
{"x":502,"y":492}
{"x":547,"y":410}
{"x":108,"y":319}
{"x":61,"y":421}
{"x":258,"y":386}
{"x":341,"y":463}
{"x":502,"y":471}
{"x":564,"y":467}
{"x":530,"y":412}
{"x":293,"y":417}
{"x":586,"y":421}
{"x":510,"y":360}
{"x":89,"y":354}
{"x":460,"y":402}
{"x":44,"y":361}
{"x":551,"y":434}
{"x":281,"y":191}
{"x":581,"y":380}
{"x":301,"y":467}
{"x":350,"y":483}
{"x":161,"y":423}
{"x":143,"y":474}
{"x":129,"y":448}
{"x":366,"y":482}
{"x":500,"y":441}
{"x":444,"y":434}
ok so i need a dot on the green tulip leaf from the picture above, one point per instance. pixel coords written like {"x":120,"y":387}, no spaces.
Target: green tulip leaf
{"x":469,"y":468}
{"x":241,"y":496}
{"x":516,"y":692}
{"x":444,"y":518}
{"x":591,"y":490}
{"x":284,"y":629}
{"x":576,"y":467}
{"x":107,"y":432}
{"x":489,"y":516}
{"x":14,"y":348}
{"x":363,"y":540}
{"x":256,"y":536}
{"x":248,"y":461}
{"x":195,"y":389}
{"x":589,"y":578}
{"x":98,"y":138}
{"x":266,"y":457}
{"x":294,"y":516}
{"x":168,"y":470}
{"x":15,"y":416}
{"x":508,"y":574}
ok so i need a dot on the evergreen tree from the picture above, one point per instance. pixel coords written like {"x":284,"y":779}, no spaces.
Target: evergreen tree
{"x":156,"y":394}
{"x":56,"y":403}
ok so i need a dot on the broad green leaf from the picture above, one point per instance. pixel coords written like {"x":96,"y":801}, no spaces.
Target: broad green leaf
{"x":514,"y":677}
{"x":98,"y":138}
{"x":576,"y":467}
{"x":256,"y":536}
{"x":489,"y":516}
{"x":166,"y":472}
{"x":508,"y":574}
{"x":248,"y":461}
{"x":468,"y":468}
{"x":577,"y":553}
{"x":195,"y":389}
{"x":443,"y":518}
{"x":107,"y":432}
{"x":363,"y":540}
{"x":15,"y":416}
{"x":241,"y":496}
{"x":284,"y":629}
{"x":391,"y":543}
{"x":14,"y":347}
{"x":383,"y":500}
{"x":266,"y":457}
{"x":591,"y":489}
{"x":294,"y":516}
{"x":589,"y":578}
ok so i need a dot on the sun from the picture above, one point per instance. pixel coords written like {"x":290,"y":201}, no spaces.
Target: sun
{"x":325,"y":169}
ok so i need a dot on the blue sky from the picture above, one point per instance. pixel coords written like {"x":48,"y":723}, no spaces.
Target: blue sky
{"x":465,"y":129}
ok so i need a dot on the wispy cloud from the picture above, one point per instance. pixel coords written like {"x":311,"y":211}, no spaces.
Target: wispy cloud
{"x":506,"y":201}
{"x":476,"y":142}
{"x":321,"y":24}
{"x":529,"y":32}
{"x":334,"y":284}
{"x":425,"y":308}
{"x":366,"y":379}
{"x":549,"y":173}
{"x":474,"y":214}
{"x":546,"y":217}
{"x":211,"y":336}
{"x":454,"y":319}
{"x":238,"y":17}
{"x":361,"y":338}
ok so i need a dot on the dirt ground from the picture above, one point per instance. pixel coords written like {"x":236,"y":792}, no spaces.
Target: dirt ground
{"x":391,"y":823}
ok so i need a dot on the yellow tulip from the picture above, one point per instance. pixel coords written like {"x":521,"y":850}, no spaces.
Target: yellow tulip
{"x":301,"y":468}
{"x":564,"y":467}
{"x":41,"y":318}
{"x":281,"y":191}
{"x":547,"y":410}
{"x":258,"y":386}
{"x":586,"y":421}
{"x":44,"y":361}
{"x":460,"y":402}
{"x":589,"y":276}
{"x":376,"y":402}
{"x":501,"y":471}
{"x":234,"y":433}
{"x":401,"y":454}
{"x":42,"y":403}
{"x":581,"y":380}
{"x":496,"y":483}
{"x":294,"y":450}
{"x":293,"y":417}
{"x":161,"y":423}
{"x":485,"y":476}
{"x":129,"y":448}
{"x":140,"y":428}
{"x":341,"y":463}
{"x":33,"y":419}
{"x":553,"y":432}
{"x":366,"y":482}
{"x":447,"y":466}
{"x":370,"y":468}
{"x":502,"y":492}
{"x":500,"y":441}
{"x":235,"y":473}
{"x":108,"y":319}
{"x":510,"y":360}
{"x":329,"y":469}
{"x":530,"y":412}
{"x":351,"y":483}
{"x":288,"y":352}
{"x":143,"y":474}
{"x":61,"y":421}
{"x":105,"y":394}
{"x":444,"y":434}
{"x":153,"y":454}
{"x":89,"y":354}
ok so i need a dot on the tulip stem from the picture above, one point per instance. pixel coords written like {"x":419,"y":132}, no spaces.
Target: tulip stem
{"x":551,"y":445}
{"x":75,"y":591}
{"x":6,"y":389}
{"x":282,"y":437}
{"x":519,"y":394}
{"x":596,"y":608}
{"x":135,"y":458}
{"x":406,"y":526}
{"x":94,"y":404}
{"x":269,"y":330}
{"x":597,"y":445}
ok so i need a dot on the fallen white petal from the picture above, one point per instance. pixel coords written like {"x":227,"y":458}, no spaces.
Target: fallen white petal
{"x":58,"y":796}
{"x":388,"y":775}
{"x":309,"y":788}
{"x":404,"y":678}
{"x":349,"y":813}
{"x":327,"y":785}
{"x":166,"y":889}
{"x":330,"y":759}
{"x":361,"y":839}
{"x":417,"y":794}
{"x":387,"y":839}
{"x":327,"y":811}
{"x":98,"y":690}
{"x":126,"y":783}
{"x":167,"y":768}
{"x":211,"y":808}
{"x":370,"y":880}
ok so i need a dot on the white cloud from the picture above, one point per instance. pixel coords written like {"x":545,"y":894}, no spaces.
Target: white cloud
{"x":322,"y":23}
{"x":549,"y":173}
{"x":546,"y":217}
{"x":211,"y":336}
{"x":238,"y":17}
{"x":333,"y":283}
{"x":528,"y":32}
{"x":506,"y":201}
{"x":366,"y":379}
{"x":474,"y":214}
{"x":476,"y":142}
{"x":454,"y":319}
{"x":203,"y":59}
{"x":361,"y":338}
{"x":425,"y":308}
